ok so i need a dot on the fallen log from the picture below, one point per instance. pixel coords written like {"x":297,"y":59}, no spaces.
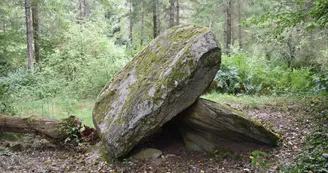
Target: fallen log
{"x":55,"y":131}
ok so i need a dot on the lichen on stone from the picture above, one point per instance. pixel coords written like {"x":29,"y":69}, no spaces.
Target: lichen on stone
{"x":134,"y":103}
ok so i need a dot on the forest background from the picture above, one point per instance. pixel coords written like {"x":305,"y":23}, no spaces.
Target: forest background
{"x":55,"y":56}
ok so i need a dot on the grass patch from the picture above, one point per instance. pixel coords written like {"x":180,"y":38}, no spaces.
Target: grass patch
{"x":57,"y":108}
{"x":10,"y":136}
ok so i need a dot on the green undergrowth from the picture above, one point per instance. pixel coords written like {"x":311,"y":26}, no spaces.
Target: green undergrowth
{"x":313,"y":158}
{"x":244,"y":73}
{"x":10,"y":136}
{"x":57,"y":108}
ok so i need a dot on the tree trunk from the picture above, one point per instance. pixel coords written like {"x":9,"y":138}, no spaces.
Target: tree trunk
{"x":35,"y":20}
{"x":28,"y":34}
{"x":291,"y":50}
{"x":155,"y":28}
{"x":228,"y":26}
{"x":4,"y":27}
{"x":178,"y":13}
{"x":142,"y":26}
{"x":130,"y":22}
{"x":85,"y":10}
{"x":240,"y":36}
{"x":51,"y":129}
{"x":171,"y":13}
{"x":81,"y":11}
{"x":158,"y":17}
{"x":267,"y":54}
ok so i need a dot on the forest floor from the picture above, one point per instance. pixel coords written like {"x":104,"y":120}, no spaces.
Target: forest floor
{"x":292,"y":119}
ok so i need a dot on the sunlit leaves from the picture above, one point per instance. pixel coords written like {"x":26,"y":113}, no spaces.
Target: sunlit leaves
{"x":285,"y":14}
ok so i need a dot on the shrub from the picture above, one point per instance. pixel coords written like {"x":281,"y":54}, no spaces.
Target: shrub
{"x":321,"y":83}
{"x":251,"y":75}
{"x":5,"y":99}
{"x":96,"y":74}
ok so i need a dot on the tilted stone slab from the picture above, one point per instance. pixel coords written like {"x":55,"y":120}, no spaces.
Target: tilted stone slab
{"x":209,"y":126}
{"x":160,"y":82}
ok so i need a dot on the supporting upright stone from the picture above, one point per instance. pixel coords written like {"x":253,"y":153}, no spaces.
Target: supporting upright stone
{"x":209,"y":126}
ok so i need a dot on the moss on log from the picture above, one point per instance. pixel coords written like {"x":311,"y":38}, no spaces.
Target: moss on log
{"x":51,"y":129}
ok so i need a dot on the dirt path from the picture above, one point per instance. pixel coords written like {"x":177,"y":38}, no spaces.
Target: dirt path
{"x":292,"y":122}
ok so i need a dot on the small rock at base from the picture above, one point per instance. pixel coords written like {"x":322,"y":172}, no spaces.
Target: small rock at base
{"x":17,"y":147}
{"x":170,"y":155}
{"x":325,"y":155}
{"x":7,"y":145}
{"x":147,"y":153}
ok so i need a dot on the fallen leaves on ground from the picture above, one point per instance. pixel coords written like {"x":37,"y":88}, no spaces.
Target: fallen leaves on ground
{"x":292,"y":122}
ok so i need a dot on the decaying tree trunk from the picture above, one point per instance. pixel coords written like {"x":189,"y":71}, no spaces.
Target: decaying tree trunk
{"x":53,"y":130}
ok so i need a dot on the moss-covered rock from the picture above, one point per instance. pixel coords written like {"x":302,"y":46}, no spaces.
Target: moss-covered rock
{"x":209,"y":126}
{"x":161,"y":81}
{"x":147,"y":153}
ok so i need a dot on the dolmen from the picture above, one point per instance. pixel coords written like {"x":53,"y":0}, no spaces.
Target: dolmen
{"x":166,"y":80}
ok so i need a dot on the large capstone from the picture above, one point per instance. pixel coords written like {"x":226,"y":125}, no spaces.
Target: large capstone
{"x":209,"y":127}
{"x":160,"y":82}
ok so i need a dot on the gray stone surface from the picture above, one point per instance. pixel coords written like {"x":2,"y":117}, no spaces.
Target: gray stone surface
{"x":160,"y":82}
{"x":209,"y":126}
{"x":147,"y":153}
